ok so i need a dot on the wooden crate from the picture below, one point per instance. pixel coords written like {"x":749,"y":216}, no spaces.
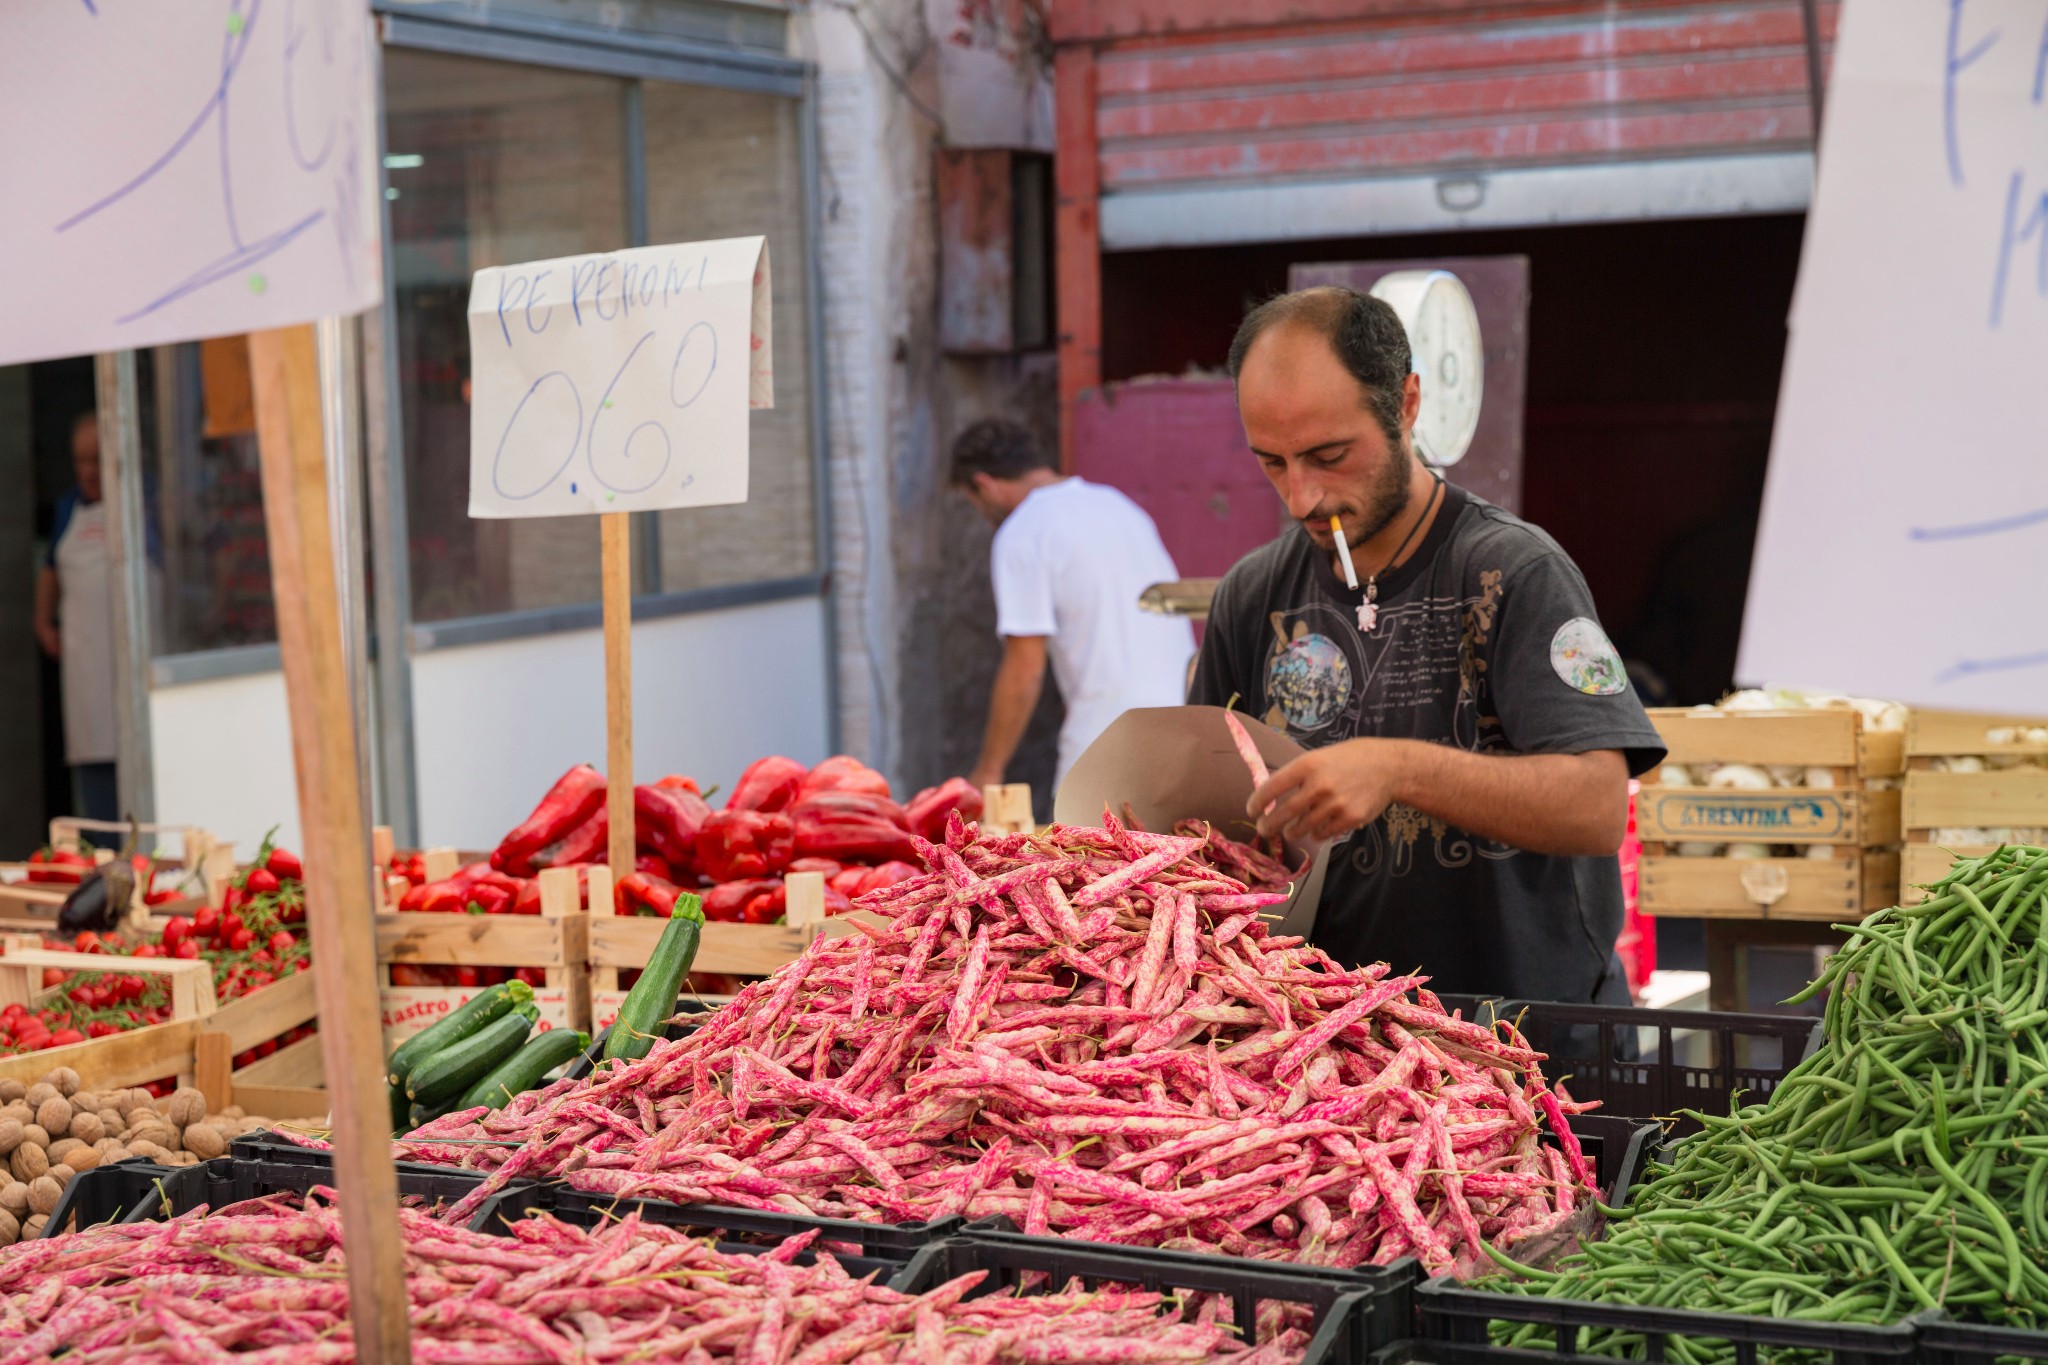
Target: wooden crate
{"x":555,"y":940}
{"x":2003,"y":798}
{"x":1922,"y":863}
{"x":625,"y":942}
{"x":170,"y":1049}
{"x":1858,"y":823}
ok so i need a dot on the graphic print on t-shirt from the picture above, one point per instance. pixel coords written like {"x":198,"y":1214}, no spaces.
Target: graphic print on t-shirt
{"x":1326,"y":681}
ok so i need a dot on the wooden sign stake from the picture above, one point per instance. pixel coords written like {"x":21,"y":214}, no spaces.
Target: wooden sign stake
{"x":617,"y":533}
{"x":339,"y":898}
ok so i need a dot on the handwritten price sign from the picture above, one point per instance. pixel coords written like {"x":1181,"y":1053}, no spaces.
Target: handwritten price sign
{"x":175,"y":169}
{"x":1907,"y":506}
{"x":618,"y":382}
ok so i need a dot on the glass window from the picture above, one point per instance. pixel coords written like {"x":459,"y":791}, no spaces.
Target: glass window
{"x":722,"y":164}
{"x":204,"y":497}
{"x":489,"y":163}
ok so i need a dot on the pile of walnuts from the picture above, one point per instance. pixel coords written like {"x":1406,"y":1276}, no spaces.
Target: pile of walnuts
{"x":52,"y":1130}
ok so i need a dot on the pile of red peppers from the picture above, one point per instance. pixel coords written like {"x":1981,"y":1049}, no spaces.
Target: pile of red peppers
{"x":837,"y":819}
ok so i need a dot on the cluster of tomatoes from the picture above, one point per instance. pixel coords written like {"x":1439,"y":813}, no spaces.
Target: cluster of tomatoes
{"x":246,"y":941}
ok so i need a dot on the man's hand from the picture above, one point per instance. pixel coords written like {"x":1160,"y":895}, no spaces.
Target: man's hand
{"x":1562,"y":804}
{"x":985,"y":777}
{"x":46,"y":613}
{"x":1328,"y":792}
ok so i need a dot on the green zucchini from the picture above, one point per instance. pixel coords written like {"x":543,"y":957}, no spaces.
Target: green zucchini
{"x":652,"y":1001}
{"x":457,"y":1067}
{"x":401,"y":1111}
{"x":419,"y":1115}
{"x":453,"y":1027}
{"x":523,"y":1069}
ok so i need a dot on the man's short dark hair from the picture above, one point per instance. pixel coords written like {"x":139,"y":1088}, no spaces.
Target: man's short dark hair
{"x":998,"y":448}
{"x":1365,"y":332}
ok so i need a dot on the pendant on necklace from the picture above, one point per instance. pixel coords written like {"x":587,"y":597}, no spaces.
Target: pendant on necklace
{"x":1368,"y":613}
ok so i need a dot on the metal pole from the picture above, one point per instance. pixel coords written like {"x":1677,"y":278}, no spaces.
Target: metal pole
{"x":633,"y":111}
{"x":341,"y":395}
{"x":128,"y":574}
{"x":1810,"y":13}
{"x":390,"y":547}
{"x":817,"y":397}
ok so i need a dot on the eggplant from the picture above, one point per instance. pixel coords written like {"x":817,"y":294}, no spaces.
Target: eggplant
{"x":100,"y":900}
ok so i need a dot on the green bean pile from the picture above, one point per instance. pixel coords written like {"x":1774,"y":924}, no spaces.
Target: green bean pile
{"x":1900,"y":1167}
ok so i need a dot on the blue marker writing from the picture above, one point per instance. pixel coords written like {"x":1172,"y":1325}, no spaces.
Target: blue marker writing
{"x":2014,"y":232}
{"x":1955,"y":66}
{"x":532,"y":299}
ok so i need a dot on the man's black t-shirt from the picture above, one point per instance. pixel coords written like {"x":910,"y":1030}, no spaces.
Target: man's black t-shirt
{"x":1486,"y":639}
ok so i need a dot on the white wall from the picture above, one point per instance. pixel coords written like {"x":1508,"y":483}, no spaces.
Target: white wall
{"x":494,"y":725}
{"x":223,"y":752}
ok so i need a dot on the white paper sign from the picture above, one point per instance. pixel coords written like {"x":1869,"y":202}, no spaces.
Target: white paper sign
{"x":174,"y":169}
{"x":1904,"y":538}
{"x":618,"y":382}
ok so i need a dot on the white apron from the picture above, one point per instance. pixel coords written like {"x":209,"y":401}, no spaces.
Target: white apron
{"x":85,"y":621}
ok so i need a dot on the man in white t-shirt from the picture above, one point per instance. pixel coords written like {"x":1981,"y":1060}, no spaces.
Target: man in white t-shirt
{"x":1069,"y":560}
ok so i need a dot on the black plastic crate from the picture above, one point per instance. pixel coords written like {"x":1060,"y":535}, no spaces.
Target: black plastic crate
{"x":260,"y":1164}
{"x":1944,"y":1341}
{"x":1353,"y":1311}
{"x":891,"y":1244}
{"x":1456,"y":1322}
{"x":1616,"y":1148}
{"x":131,"y":1191}
{"x":1599,"y":1048}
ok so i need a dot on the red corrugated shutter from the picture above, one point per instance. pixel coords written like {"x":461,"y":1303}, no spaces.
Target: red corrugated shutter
{"x":1502,"y":87}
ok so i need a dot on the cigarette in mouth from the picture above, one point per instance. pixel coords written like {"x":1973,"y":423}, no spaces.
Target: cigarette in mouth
{"x":1344,"y":553}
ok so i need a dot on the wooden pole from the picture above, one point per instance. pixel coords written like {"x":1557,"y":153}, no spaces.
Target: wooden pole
{"x":334,"y":833}
{"x":618,"y":688}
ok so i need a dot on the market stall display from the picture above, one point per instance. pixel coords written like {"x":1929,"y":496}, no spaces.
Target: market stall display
{"x":1973,"y":782}
{"x":1092,"y":1032}
{"x":1899,"y":1169}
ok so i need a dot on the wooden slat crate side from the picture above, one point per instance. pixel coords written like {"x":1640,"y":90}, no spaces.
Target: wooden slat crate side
{"x":281,"y":1101}
{"x":1943,"y":733}
{"x":2013,"y":797}
{"x":1715,"y":888}
{"x":621,"y":941}
{"x":264,"y":1014}
{"x":483,"y":940}
{"x":1921,"y":864}
{"x":1789,"y":815}
{"x":298,"y":1064}
{"x":131,"y":1058}
{"x":1810,"y":739}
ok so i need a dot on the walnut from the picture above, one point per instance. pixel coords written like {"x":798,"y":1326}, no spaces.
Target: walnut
{"x":54,"y":1114}
{"x":65,"y":1079}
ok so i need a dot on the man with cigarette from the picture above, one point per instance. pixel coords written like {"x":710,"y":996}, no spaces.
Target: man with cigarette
{"x":1471,"y":732}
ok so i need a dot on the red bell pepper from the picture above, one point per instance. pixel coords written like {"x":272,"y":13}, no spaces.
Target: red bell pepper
{"x":768,"y":784}
{"x":739,"y":844}
{"x":929,"y":808}
{"x":668,"y":820}
{"x":677,"y":782}
{"x":589,"y":842}
{"x":568,"y":804}
{"x":727,"y":902}
{"x":767,"y":905}
{"x":452,"y":895}
{"x":848,"y":883}
{"x":843,"y":773}
{"x":639,"y":894}
{"x":852,"y":827}
{"x":826,"y":867}
{"x":887,"y":875}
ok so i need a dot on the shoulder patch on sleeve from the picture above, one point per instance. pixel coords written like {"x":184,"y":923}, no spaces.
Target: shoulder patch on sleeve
{"x":1581,"y":655}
